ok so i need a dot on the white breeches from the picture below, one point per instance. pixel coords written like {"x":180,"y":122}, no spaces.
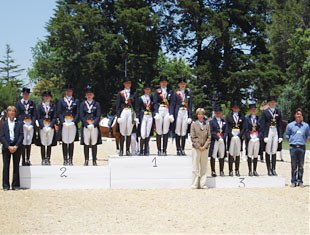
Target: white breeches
{"x":235,"y":146}
{"x":46,"y":136}
{"x":199,"y":170}
{"x":90,"y":135}
{"x":134,"y":144}
{"x":181,"y":123}
{"x":28,"y":134}
{"x":272,"y":143}
{"x":125,"y":124}
{"x":68,"y":133}
{"x":253,"y":148}
{"x":163,"y":123}
{"x":218,"y":149}
{"x":146,"y":126}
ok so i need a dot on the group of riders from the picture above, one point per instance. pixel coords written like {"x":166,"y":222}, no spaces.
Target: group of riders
{"x":166,"y":110}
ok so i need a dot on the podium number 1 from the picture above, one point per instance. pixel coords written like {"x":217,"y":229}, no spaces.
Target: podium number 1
{"x":154,"y":160}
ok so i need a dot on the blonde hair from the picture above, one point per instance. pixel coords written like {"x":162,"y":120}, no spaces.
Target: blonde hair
{"x":11,"y":108}
{"x":200,"y":110}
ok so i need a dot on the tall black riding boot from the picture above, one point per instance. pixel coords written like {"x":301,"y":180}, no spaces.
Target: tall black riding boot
{"x":183,"y":140}
{"x":128,"y":141}
{"x":86,"y":154}
{"x":250,"y":166}
{"x":178,"y":144}
{"x":71,"y":149}
{"x":212,"y":163}
{"x":147,"y":146}
{"x":237,"y":163}
{"x":65,"y":153}
{"x":43,"y":155}
{"x":221,"y":166}
{"x":28,"y":151}
{"x":273,"y":164}
{"x":23,"y":155}
{"x":230,"y":165}
{"x":48,"y":153}
{"x":255,"y":166}
{"x":165,"y":144}
{"x":94,"y":154}
{"x":142,"y":145}
{"x":121,"y":145}
{"x":267,"y":158}
{"x":158,"y":143}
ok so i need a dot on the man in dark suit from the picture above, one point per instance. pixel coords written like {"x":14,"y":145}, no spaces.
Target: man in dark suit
{"x":11,"y":137}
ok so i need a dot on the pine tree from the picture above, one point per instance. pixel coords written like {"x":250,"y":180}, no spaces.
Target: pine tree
{"x":9,"y":71}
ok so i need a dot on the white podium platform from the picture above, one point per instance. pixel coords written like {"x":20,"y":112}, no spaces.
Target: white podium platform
{"x":150,"y":172}
{"x":64,"y":177}
{"x":134,"y":172}
{"x":246,"y":182}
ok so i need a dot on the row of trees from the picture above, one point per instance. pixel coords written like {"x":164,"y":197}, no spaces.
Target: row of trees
{"x":244,"y":50}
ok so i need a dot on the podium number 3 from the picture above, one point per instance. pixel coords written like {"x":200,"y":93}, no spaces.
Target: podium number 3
{"x":63,"y":171}
{"x":241,"y":183}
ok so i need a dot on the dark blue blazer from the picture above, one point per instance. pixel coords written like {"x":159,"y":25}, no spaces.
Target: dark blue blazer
{"x":52,"y":115}
{"x":94,"y":115}
{"x":214,"y":129}
{"x":249,"y":126}
{"x":21,"y":115}
{"x":266,"y":121}
{"x":140,"y":107}
{"x":62,"y":110}
{"x":5,"y":134}
{"x":177,"y":103}
{"x":158,"y":100}
{"x":120,"y":102}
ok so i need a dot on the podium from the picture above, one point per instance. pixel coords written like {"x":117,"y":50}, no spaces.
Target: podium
{"x":150,"y":172}
{"x":134,"y":172}
{"x":64,"y":177}
{"x":246,"y":182}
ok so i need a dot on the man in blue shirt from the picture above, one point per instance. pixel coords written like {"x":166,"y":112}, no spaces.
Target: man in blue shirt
{"x":297,"y":133}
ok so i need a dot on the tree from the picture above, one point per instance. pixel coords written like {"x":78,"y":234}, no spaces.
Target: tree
{"x":88,"y":42}
{"x":9,"y":83}
{"x":296,"y":93}
{"x":286,"y":17}
{"x":228,"y":42}
{"x":9,"y":71}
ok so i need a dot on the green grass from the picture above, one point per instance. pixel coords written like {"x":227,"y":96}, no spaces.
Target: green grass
{"x":285,"y":144}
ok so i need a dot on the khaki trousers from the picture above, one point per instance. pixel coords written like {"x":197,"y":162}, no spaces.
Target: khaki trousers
{"x":199,"y":173}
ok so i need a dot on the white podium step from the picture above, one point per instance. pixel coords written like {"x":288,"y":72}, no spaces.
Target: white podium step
{"x":64,"y":177}
{"x":245,"y":182}
{"x":150,"y":172}
{"x":134,"y":172}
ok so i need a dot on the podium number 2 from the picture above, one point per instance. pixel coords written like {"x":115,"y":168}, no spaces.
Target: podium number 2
{"x":241,"y":183}
{"x":63,"y":171}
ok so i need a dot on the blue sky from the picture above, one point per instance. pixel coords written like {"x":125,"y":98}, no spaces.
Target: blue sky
{"x":22,"y":23}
